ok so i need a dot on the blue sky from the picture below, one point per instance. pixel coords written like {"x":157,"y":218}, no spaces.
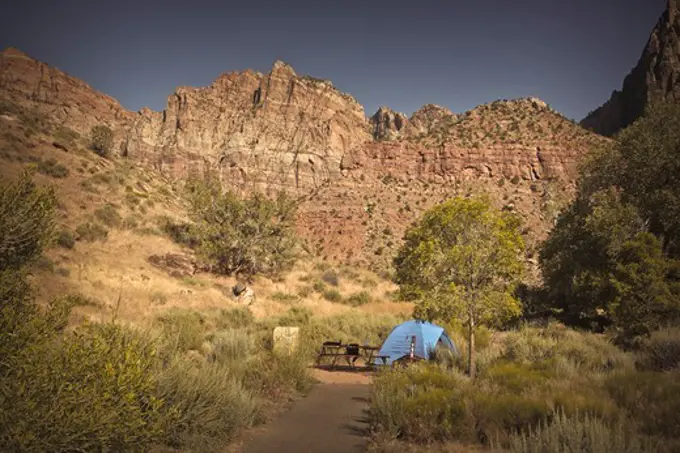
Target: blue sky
{"x":402,"y":54}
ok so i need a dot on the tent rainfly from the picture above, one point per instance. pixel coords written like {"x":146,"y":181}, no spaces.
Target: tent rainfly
{"x":427,"y":337}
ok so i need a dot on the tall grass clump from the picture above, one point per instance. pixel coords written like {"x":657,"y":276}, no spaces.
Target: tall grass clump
{"x":183,"y":330}
{"x":562,"y":433}
{"x":661,"y":351}
{"x":211,"y":405}
{"x":422,"y":404}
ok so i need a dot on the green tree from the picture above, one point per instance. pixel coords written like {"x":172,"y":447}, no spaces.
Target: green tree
{"x":600,"y":265}
{"x":462,"y":259}
{"x":643,"y":297}
{"x":650,"y":176}
{"x":101,"y":140}
{"x":243,"y":236}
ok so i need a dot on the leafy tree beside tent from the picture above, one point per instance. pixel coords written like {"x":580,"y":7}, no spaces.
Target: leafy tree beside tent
{"x":462,"y":260}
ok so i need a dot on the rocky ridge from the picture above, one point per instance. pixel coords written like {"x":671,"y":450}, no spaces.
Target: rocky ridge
{"x":365,"y":178}
{"x":656,"y":77}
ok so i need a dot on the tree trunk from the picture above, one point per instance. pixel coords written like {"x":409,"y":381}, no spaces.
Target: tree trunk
{"x":472,"y":367}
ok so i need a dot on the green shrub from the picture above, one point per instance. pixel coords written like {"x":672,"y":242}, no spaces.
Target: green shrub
{"x":661,"y":351}
{"x":235,"y":318}
{"x":97,"y":394}
{"x":278,"y":375}
{"x":109,"y":216}
{"x":66,"y":239}
{"x":581,"y":351}
{"x":305,"y":291}
{"x":517,"y":377}
{"x":332,"y":295}
{"x":66,"y":136}
{"x":51,"y":167}
{"x":331,"y":277}
{"x":319,"y":286}
{"x":26,"y":223}
{"x":421,"y":404}
{"x":183,"y":329}
{"x":231,"y":345}
{"x":497,"y":414}
{"x":651,"y":399}
{"x":101,"y":140}
{"x":90,"y":232}
{"x":210,"y":404}
{"x":562,"y":433}
{"x":360,"y":298}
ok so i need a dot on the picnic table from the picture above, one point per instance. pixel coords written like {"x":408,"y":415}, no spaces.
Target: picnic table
{"x":351,"y":352}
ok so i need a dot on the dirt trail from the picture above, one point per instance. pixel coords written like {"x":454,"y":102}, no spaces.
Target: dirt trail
{"x":331,"y":419}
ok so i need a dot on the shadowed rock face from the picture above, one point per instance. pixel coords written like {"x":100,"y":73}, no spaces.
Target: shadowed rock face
{"x":361,"y":176}
{"x":656,"y":77}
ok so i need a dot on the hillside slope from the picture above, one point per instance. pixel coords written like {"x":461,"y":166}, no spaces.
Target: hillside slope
{"x":362,"y":180}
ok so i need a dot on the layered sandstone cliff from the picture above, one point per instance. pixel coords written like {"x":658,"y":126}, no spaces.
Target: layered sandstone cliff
{"x":366,"y":179}
{"x":656,"y":77}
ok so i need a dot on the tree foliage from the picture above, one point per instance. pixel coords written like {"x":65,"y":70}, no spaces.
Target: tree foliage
{"x":611,"y":260}
{"x":243,"y":236}
{"x":462,"y":260}
{"x":101,"y":140}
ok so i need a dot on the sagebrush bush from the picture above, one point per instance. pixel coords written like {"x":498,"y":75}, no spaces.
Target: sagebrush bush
{"x":235,"y":318}
{"x":422,"y":404}
{"x":661,"y":351}
{"x":584,"y":433}
{"x":51,"y":167}
{"x":231,"y":345}
{"x":277,"y":376}
{"x":93,"y":390}
{"x":583,"y":351}
{"x":651,"y":399}
{"x":108,"y":215}
{"x":66,"y":239}
{"x":210,"y":405}
{"x":332,"y":295}
{"x":331,"y":277}
{"x":91,"y":232}
{"x":183,"y":329}
{"x":101,"y":140}
{"x":360,"y":298}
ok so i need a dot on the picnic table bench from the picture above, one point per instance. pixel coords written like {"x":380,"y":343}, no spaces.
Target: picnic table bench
{"x":351,"y":352}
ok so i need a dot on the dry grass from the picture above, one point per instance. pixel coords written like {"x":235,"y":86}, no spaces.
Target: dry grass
{"x":115,"y":270}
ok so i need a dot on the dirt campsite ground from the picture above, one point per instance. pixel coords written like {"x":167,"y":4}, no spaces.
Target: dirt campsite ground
{"x":331,"y":419}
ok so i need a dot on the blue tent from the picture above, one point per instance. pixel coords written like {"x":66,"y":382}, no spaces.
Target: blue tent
{"x":427,"y":337}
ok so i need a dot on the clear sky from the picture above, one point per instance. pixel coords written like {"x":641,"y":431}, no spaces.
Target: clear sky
{"x":402,"y":54}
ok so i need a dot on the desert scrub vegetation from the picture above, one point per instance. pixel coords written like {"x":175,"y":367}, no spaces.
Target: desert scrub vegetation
{"x":238,"y":236}
{"x":537,"y":389}
{"x":91,"y":232}
{"x":108,"y":215}
{"x":101,"y":140}
{"x":50,"y":167}
{"x":190,"y":383}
